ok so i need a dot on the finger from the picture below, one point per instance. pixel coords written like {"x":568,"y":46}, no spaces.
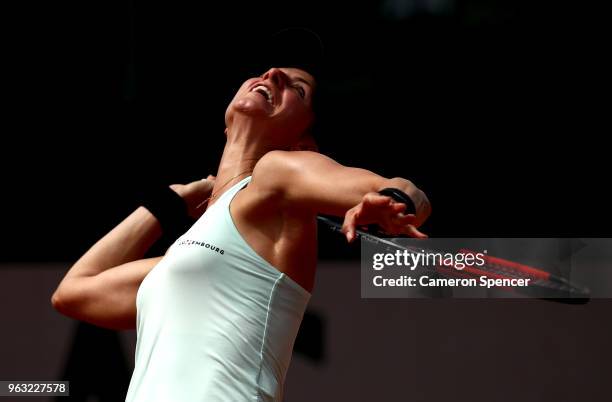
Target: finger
{"x":348,"y":226}
{"x":376,"y":199}
{"x":412,"y":231}
{"x":404,"y":220}
{"x":398,"y":206}
{"x":389,"y":206}
{"x":350,"y":233}
{"x":350,"y":229}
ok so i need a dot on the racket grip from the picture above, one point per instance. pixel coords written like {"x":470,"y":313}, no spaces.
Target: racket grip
{"x":399,"y":196}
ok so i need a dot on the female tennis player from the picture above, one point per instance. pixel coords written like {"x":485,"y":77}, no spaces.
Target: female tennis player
{"x":217,"y":315}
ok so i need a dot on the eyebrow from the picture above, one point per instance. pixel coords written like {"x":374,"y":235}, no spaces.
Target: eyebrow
{"x":304,"y":81}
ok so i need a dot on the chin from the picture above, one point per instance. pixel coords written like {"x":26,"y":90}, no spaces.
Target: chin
{"x":251,"y":107}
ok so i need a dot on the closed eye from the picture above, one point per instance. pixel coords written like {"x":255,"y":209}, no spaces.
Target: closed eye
{"x":300,"y":91}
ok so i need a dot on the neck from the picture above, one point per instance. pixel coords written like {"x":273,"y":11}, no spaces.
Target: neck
{"x":242,"y":151}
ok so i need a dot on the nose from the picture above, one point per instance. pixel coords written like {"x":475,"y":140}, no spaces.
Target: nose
{"x":276,"y":76}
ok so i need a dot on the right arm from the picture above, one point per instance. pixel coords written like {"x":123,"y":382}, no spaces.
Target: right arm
{"x":108,"y":299}
{"x":101,"y":287}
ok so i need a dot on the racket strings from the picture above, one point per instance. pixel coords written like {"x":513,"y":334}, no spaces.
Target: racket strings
{"x":551,"y":282}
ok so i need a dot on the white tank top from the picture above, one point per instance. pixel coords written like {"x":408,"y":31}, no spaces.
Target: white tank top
{"x":215,"y":321}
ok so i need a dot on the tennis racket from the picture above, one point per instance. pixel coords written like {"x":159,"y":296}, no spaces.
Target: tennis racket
{"x":542,"y":284}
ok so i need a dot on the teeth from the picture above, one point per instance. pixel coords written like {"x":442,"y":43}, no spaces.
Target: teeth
{"x":264,"y":89}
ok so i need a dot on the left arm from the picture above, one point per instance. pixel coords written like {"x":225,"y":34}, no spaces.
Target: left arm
{"x":314,"y":182}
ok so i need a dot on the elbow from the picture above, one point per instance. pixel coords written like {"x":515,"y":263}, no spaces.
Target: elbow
{"x":58,"y":302}
{"x":63,"y":301}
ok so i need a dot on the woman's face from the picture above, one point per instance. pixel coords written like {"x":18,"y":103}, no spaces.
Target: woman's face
{"x":279,"y":102}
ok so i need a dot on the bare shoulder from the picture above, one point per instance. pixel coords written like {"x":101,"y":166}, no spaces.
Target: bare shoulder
{"x":277,"y":172}
{"x":309,"y":182}
{"x":287,"y":160}
{"x":279,"y":166}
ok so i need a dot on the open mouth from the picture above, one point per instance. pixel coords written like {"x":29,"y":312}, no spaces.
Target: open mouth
{"x":264,"y":91}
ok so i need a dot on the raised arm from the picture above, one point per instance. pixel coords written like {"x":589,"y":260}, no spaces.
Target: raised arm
{"x":101,"y":286}
{"x":313,"y":181}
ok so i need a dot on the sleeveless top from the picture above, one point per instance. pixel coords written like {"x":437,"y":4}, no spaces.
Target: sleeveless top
{"x":215,"y":321}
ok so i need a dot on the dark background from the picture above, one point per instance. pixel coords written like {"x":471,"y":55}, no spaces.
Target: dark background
{"x":498,"y":110}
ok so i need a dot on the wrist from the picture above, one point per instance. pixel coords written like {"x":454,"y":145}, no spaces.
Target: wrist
{"x":167,"y":205}
{"x":402,"y":184}
{"x":422,"y":208}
